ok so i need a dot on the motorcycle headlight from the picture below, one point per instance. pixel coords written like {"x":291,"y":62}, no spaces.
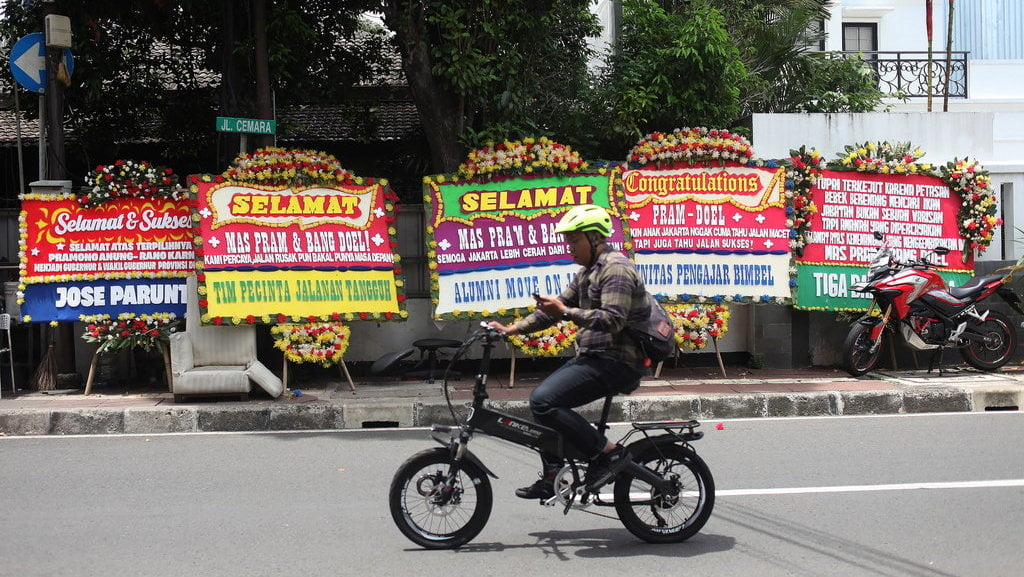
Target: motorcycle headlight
{"x":879,"y":265}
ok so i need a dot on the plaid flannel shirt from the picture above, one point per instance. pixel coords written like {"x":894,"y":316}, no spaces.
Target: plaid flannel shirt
{"x":603,"y":300}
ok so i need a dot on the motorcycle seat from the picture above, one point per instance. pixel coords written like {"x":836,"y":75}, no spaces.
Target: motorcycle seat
{"x":973,"y":286}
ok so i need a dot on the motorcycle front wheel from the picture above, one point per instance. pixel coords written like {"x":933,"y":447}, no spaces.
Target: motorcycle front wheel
{"x":860,"y":352}
{"x":999,"y":343}
{"x":433,"y":513}
{"x":661,"y":518}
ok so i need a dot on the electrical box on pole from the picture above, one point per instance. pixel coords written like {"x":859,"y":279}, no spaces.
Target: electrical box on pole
{"x":58,"y":31}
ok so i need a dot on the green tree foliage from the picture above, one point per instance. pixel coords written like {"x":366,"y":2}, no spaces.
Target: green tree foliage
{"x":162,"y":70}
{"x":716,"y":62}
{"x":675,"y":65}
{"x":157,"y":72}
{"x":491,"y":69}
{"x":786,"y":73}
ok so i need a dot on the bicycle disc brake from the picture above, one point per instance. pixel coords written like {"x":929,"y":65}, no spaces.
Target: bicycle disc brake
{"x":439,"y":499}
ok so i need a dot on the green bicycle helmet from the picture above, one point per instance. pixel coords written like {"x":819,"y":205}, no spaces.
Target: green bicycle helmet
{"x":586,"y":218}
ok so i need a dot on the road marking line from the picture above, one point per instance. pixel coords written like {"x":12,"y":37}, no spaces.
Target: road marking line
{"x":868,"y":488}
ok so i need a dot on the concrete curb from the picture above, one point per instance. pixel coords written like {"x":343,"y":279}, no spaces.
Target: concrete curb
{"x":340,"y":413}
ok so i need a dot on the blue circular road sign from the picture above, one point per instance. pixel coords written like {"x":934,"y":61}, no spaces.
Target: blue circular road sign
{"x":28,"y":62}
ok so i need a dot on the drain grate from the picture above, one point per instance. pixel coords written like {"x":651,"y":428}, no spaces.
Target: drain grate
{"x":380,"y":424}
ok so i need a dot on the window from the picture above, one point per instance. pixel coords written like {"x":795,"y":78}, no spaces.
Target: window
{"x":860,"y":37}
{"x":817,"y":31}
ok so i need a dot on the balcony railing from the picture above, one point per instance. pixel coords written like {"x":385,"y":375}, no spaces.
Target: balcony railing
{"x":906,"y":73}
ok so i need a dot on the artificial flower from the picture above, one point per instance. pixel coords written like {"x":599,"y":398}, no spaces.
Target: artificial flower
{"x":802,"y":171}
{"x":882,"y":158}
{"x":321,"y":343}
{"x":690,"y":146}
{"x":129,"y":179}
{"x":286,"y":167}
{"x":977,"y":217}
{"x":526,"y":156}
{"x":696,"y":324}
{"x":549,"y":342}
{"x":129,"y":331}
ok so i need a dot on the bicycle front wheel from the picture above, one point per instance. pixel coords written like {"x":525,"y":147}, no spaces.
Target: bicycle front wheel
{"x":433,"y":512}
{"x":661,"y":518}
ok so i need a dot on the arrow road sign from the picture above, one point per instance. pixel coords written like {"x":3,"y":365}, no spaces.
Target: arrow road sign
{"x":28,"y":61}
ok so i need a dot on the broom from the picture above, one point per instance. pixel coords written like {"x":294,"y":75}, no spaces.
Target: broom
{"x":45,"y":377}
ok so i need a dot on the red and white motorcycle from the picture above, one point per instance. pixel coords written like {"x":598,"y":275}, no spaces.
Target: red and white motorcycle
{"x":912,"y":298}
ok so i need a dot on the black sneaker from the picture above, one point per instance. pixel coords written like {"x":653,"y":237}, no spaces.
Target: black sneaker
{"x":605,"y":467}
{"x":543,"y":489}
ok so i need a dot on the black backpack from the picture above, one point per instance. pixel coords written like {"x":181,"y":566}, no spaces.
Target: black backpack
{"x":655,"y":336}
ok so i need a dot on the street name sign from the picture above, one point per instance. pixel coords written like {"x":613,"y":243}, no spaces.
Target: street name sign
{"x":246,"y":125}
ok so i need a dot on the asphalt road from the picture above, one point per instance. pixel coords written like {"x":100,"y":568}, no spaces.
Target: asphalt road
{"x":919,"y":496}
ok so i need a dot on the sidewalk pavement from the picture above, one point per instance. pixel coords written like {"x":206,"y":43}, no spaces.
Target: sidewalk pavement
{"x":678,"y":393}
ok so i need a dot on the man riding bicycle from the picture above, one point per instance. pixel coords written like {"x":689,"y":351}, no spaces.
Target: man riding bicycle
{"x":604,"y":297}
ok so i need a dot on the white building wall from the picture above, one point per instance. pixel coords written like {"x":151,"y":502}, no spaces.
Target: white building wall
{"x":901,"y":23}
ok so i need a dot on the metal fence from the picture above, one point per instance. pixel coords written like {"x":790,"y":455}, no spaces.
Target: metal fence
{"x":906,"y":73}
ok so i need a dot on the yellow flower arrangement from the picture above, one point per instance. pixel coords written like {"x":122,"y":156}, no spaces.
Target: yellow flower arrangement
{"x":883,"y":158}
{"x":690,"y":146}
{"x":697,"y":324}
{"x":549,"y":342}
{"x":321,"y":343}
{"x":281,"y":166}
{"x":526,"y":156}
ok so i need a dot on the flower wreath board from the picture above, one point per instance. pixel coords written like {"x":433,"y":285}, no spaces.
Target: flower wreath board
{"x":707,"y":220}
{"x":490,"y":232}
{"x":880,"y":186}
{"x":128,"y":253}
{"x":113,"y":255}
{"x":288,"y":236}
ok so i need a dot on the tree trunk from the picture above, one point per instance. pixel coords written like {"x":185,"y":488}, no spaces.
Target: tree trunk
{"x":230,"y":99}
{"x":264,"y":108}
{"x":441,"y":111}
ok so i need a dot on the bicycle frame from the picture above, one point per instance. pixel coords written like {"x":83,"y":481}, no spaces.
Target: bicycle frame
{"x":537,"y":437}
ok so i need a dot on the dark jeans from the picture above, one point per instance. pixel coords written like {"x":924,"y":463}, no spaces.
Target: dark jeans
{"x":580,"y":381}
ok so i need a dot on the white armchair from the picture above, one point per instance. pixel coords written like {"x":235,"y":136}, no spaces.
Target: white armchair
{"x":212,"y":360}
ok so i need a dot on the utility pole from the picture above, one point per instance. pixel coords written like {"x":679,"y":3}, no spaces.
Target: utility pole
{"x":54,"y":95}
{"x":58,"y":37}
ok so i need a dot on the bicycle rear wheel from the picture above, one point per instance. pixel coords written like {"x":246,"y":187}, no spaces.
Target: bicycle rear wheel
{"x":433,"y":514}
{"x":659,"y":518}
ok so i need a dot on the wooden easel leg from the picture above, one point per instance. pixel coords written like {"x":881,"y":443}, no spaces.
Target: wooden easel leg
{"x":718,"y":355}
{"x":92,"y":372}
{"x":512,"y":370}
{"x":165,"y":350}
{"x":344,"y":371}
